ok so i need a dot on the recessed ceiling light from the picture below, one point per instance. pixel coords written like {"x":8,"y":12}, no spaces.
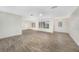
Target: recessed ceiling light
{"x":41,"y":14}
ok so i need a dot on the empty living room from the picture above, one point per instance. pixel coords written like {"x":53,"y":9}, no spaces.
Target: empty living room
{"x":39,"y":28}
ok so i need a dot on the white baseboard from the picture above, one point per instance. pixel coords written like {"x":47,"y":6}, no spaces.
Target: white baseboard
{"x":2,"y":37}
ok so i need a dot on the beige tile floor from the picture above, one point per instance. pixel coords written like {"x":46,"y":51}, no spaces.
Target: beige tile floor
{"x":35,"y":41}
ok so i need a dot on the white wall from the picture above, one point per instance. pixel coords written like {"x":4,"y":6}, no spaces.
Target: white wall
{"x":64,"y":25}
{"x":53,"y":23}
{"x":35,"y":19}
{"x":25,"y":23}
{"x":10,"y":25}
{"x":74,"y":28}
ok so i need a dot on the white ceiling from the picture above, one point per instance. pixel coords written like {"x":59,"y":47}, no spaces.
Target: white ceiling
{"x":60,"y":11}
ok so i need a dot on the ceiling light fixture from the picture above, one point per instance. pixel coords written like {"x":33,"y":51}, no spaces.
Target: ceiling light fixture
{"x":41,"y":14}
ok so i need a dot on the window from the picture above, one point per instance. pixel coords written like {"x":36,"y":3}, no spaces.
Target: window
{"x":33,"y":25}
{"x":43,"y":25}
{"x":60,"y":24}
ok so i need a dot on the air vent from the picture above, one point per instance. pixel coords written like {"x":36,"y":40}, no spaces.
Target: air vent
{"x":54,"y":7}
